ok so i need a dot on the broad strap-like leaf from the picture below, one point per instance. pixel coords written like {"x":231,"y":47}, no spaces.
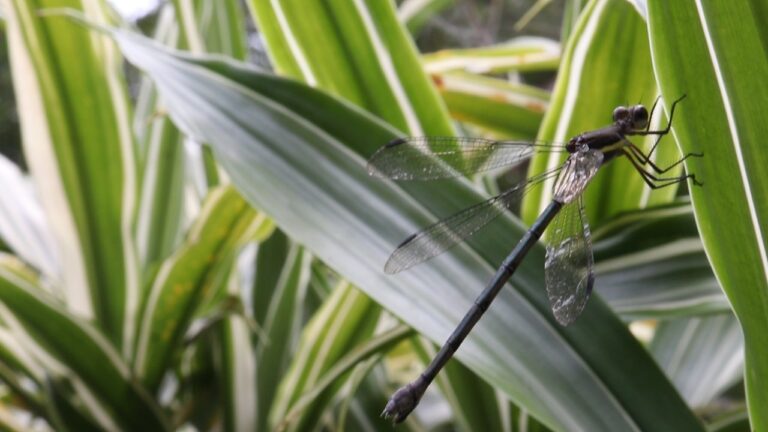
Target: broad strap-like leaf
{"x":651,"y":264}
{"x":606,"y":63}
{"x":324,"y":341}
{"x":186,"y":281}
{"x":524,"y":54}
{"x":23,"y":224}
{"x":299,"y":155}
{"x":362,"y":54}
{"x":75,"y":120}
{"x":504,"y":109}
{"x":75,"y":350}
{"x":714,"y":51}
{"x":703,"y":356}
{"x":280,"y":290}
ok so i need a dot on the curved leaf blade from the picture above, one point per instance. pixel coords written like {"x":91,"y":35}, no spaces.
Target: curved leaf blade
{"x":713,"y":51}
{"x":94,"y":362}
{"x":703,"y":356}
{"x":22,"y":221}
{"x":324,"y":342}
{"x":383,"y":75}
{"x":510,"y":111}
{"x":651,"y":264}
{"x":82,"y":159}
{"x":188,"y":277}
{"x":295,"y":152}
{"x":239,"y":366}
{"x":524,"y":54}
{"x":282,"y":319}
{"x":606,"y":63}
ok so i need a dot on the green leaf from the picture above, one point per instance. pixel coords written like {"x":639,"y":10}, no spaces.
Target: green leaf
{"x":19,"y":369}
{"x":299,"y":155}
{"x":75,"y":119}
{"x":606,"y":63}
{"x":202,"y":386}
{"x":703,"y":356}
{"x":160,"y":221}
{"x":650,"y":263}
{"x":63,"y":408}
{"x":524,"y":54}
{"x":212,"y":27}
{"x":239,"y":365}
{"x":345,"y":320}
{"x":715,"y":53}
{"x":282,"y":321}
{"x":94,"y":366}
{"x":271,"y":258}
{"x":737,"y":421}
{"x":507,"y":110}
{"x":357,"y":377}
{"x":370,"y":397}
{"x":311,"y":41}
{"x":187,"y":279}
{"x":476,"y":405}
{"x":367,"y":349}
{"x":22,"y":221}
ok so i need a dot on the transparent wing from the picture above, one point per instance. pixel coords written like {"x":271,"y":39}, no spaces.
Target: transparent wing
{"x":441,"y":236}
{"x":568,"y":268}
{"x":429,"y":158}
{"x":578,"y":170}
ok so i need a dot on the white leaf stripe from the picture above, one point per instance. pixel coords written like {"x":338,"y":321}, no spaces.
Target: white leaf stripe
{"x":389,"y":71}
{"x":53,"y":352}
{"x":106,"y":48}
{"x":96,"y":337}
{"x":242,"y":365}
{"x":735,"y":139}
{"x":23,"y":223}
{"x":575,"y":65}
{"x":157,"y":292}
{"x":30,"y":79}
{"x":293,"y":45}
{"x":655,"y":254}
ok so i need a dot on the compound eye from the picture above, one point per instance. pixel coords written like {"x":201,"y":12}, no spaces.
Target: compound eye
{"x":620,"y":113}
{"x":639,"y":116}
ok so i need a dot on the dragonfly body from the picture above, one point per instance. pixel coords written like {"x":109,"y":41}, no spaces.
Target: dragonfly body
{"x":568,"y":266}
{"x":610,"y":139}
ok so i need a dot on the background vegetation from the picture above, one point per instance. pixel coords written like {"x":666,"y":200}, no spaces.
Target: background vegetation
{"x":197,"y":244}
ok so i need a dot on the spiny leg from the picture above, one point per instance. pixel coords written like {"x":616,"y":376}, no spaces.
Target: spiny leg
{"x":646,"y":160}
{"x":659,"y":182}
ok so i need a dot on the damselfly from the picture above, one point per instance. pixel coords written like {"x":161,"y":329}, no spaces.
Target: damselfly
{"x":568,"y":266}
